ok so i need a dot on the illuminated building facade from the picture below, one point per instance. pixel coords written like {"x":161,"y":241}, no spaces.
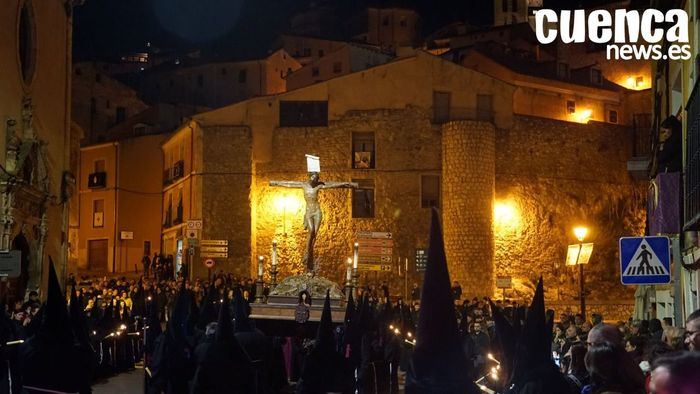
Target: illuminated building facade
{"x":417,"y":132}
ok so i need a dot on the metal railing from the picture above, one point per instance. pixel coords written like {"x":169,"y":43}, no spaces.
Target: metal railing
{"x":692,"y":168}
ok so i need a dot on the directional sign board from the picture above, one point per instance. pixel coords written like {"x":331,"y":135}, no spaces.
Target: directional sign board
{"x":214,"y":242}
{"x":214,"y":255}
{"x":220,"y":249}
{"x":11,"y":264}
{"x":374,"y":258}
{"x":374,"y":267}
{"x":645,"y":260}
{"x":374,"y":234}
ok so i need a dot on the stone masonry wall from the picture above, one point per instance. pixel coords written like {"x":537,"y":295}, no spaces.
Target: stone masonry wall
{"x":554,"y":176}
{"x":226,"y":185}
{"x":407,"y":146}
{"x":468,"y":177}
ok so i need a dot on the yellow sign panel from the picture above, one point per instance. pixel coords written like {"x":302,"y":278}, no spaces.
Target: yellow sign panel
{"x":579,"y":254}
{"x":374,"y":267}
{"x":572,"y":254}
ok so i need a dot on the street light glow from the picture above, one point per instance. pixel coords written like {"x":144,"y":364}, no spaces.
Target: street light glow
{"x":580,"y":233}
{"x":506,"y":217}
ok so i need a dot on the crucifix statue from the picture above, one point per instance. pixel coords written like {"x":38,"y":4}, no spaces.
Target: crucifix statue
{"x":313,"y":215}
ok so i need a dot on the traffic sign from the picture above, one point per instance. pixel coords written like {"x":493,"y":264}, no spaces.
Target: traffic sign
{"x":374,"y":234}
{"x":192,"y":233}
{"x":221,"y":249}
{"x":374,"y":267}
{"x":214,"y":242}
{"x":645,"y":261}
{"x":374,"y":250}
{"x":375,"y":243}
{"x":209,"y":263}
{"x":374,"y":259}
{"x":220,"y":255}
{"x":504,"y":282}
{"x":194,"y":224}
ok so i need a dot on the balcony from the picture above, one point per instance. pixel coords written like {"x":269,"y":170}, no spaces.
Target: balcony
{"x":692,"y":169}
{"x":638,"y":164}
{"x":444,"y":115}
{"x":178,"y":170}
{"x":97,"y":180}
{"x":174,"y":173}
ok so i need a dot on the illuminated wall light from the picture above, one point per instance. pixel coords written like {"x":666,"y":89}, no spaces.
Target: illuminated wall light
{"x":286,"y":203}
{"x":506,"y":217}
{"x":636,"y":82}
{"x":582,"y":116}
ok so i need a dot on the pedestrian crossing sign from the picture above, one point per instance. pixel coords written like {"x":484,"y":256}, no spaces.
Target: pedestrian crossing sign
{"x":645,"y":261}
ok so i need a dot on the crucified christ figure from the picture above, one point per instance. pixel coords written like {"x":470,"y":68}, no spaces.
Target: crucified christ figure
{"x":313,"y":216}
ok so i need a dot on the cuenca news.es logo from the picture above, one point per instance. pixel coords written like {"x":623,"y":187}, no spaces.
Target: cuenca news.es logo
{"x":628,"y":34}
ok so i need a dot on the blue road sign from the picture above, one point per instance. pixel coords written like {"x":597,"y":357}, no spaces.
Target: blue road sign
{"x":645,"y":261}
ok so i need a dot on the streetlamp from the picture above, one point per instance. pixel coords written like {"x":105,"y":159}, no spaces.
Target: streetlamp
{"x":579,"y":254}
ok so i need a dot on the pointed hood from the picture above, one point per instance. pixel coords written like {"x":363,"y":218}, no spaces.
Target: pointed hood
{"x":325,"y":339}
{"x":154,"y":329}
{"x":349,"y":312}
{"x":533,"y":364}
{"x":77,"y":319}
{"x":240,"y":313}
{"x":224,"y":327}
{"x":177,"y":325}
{"x":537,"y":341}
{"x":56,"y":321}
{"x":209,"y":312}
{"x":325,"y":370}
{"x":506,"y":338}
{"x":438,"y":363}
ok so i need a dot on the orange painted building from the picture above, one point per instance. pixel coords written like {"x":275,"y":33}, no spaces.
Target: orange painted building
{"x":119,"y":206}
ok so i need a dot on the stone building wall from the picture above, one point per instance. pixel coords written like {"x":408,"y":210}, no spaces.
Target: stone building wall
{"x":407,"y":146}
{"x":225,"y":181}
{"x":468,"y":181}
{"x":552,"y":176}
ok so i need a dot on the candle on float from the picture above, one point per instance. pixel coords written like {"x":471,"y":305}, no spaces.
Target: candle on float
{"x":348,"y":272}
{"x":274,"y":254}
{"x":355,"y":253}
{"x":260,"y":266}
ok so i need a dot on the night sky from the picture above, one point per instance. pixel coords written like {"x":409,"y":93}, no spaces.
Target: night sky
{"x":105,"y":29}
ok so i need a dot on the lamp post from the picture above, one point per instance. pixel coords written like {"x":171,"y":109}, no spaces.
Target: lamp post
{"x":580,"y":233}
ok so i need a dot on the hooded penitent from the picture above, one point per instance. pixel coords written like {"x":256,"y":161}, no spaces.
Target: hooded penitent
{"x":534,"y":370}
{"x":51,"y":360}
{"x":438,"y":363}
{"x":225,"y":367}
{"x":325,"y":370}
{"x":174,"y":358}
{"x":208,"y":311}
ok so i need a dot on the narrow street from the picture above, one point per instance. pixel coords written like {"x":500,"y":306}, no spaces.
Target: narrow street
{"x":127,"y":383}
